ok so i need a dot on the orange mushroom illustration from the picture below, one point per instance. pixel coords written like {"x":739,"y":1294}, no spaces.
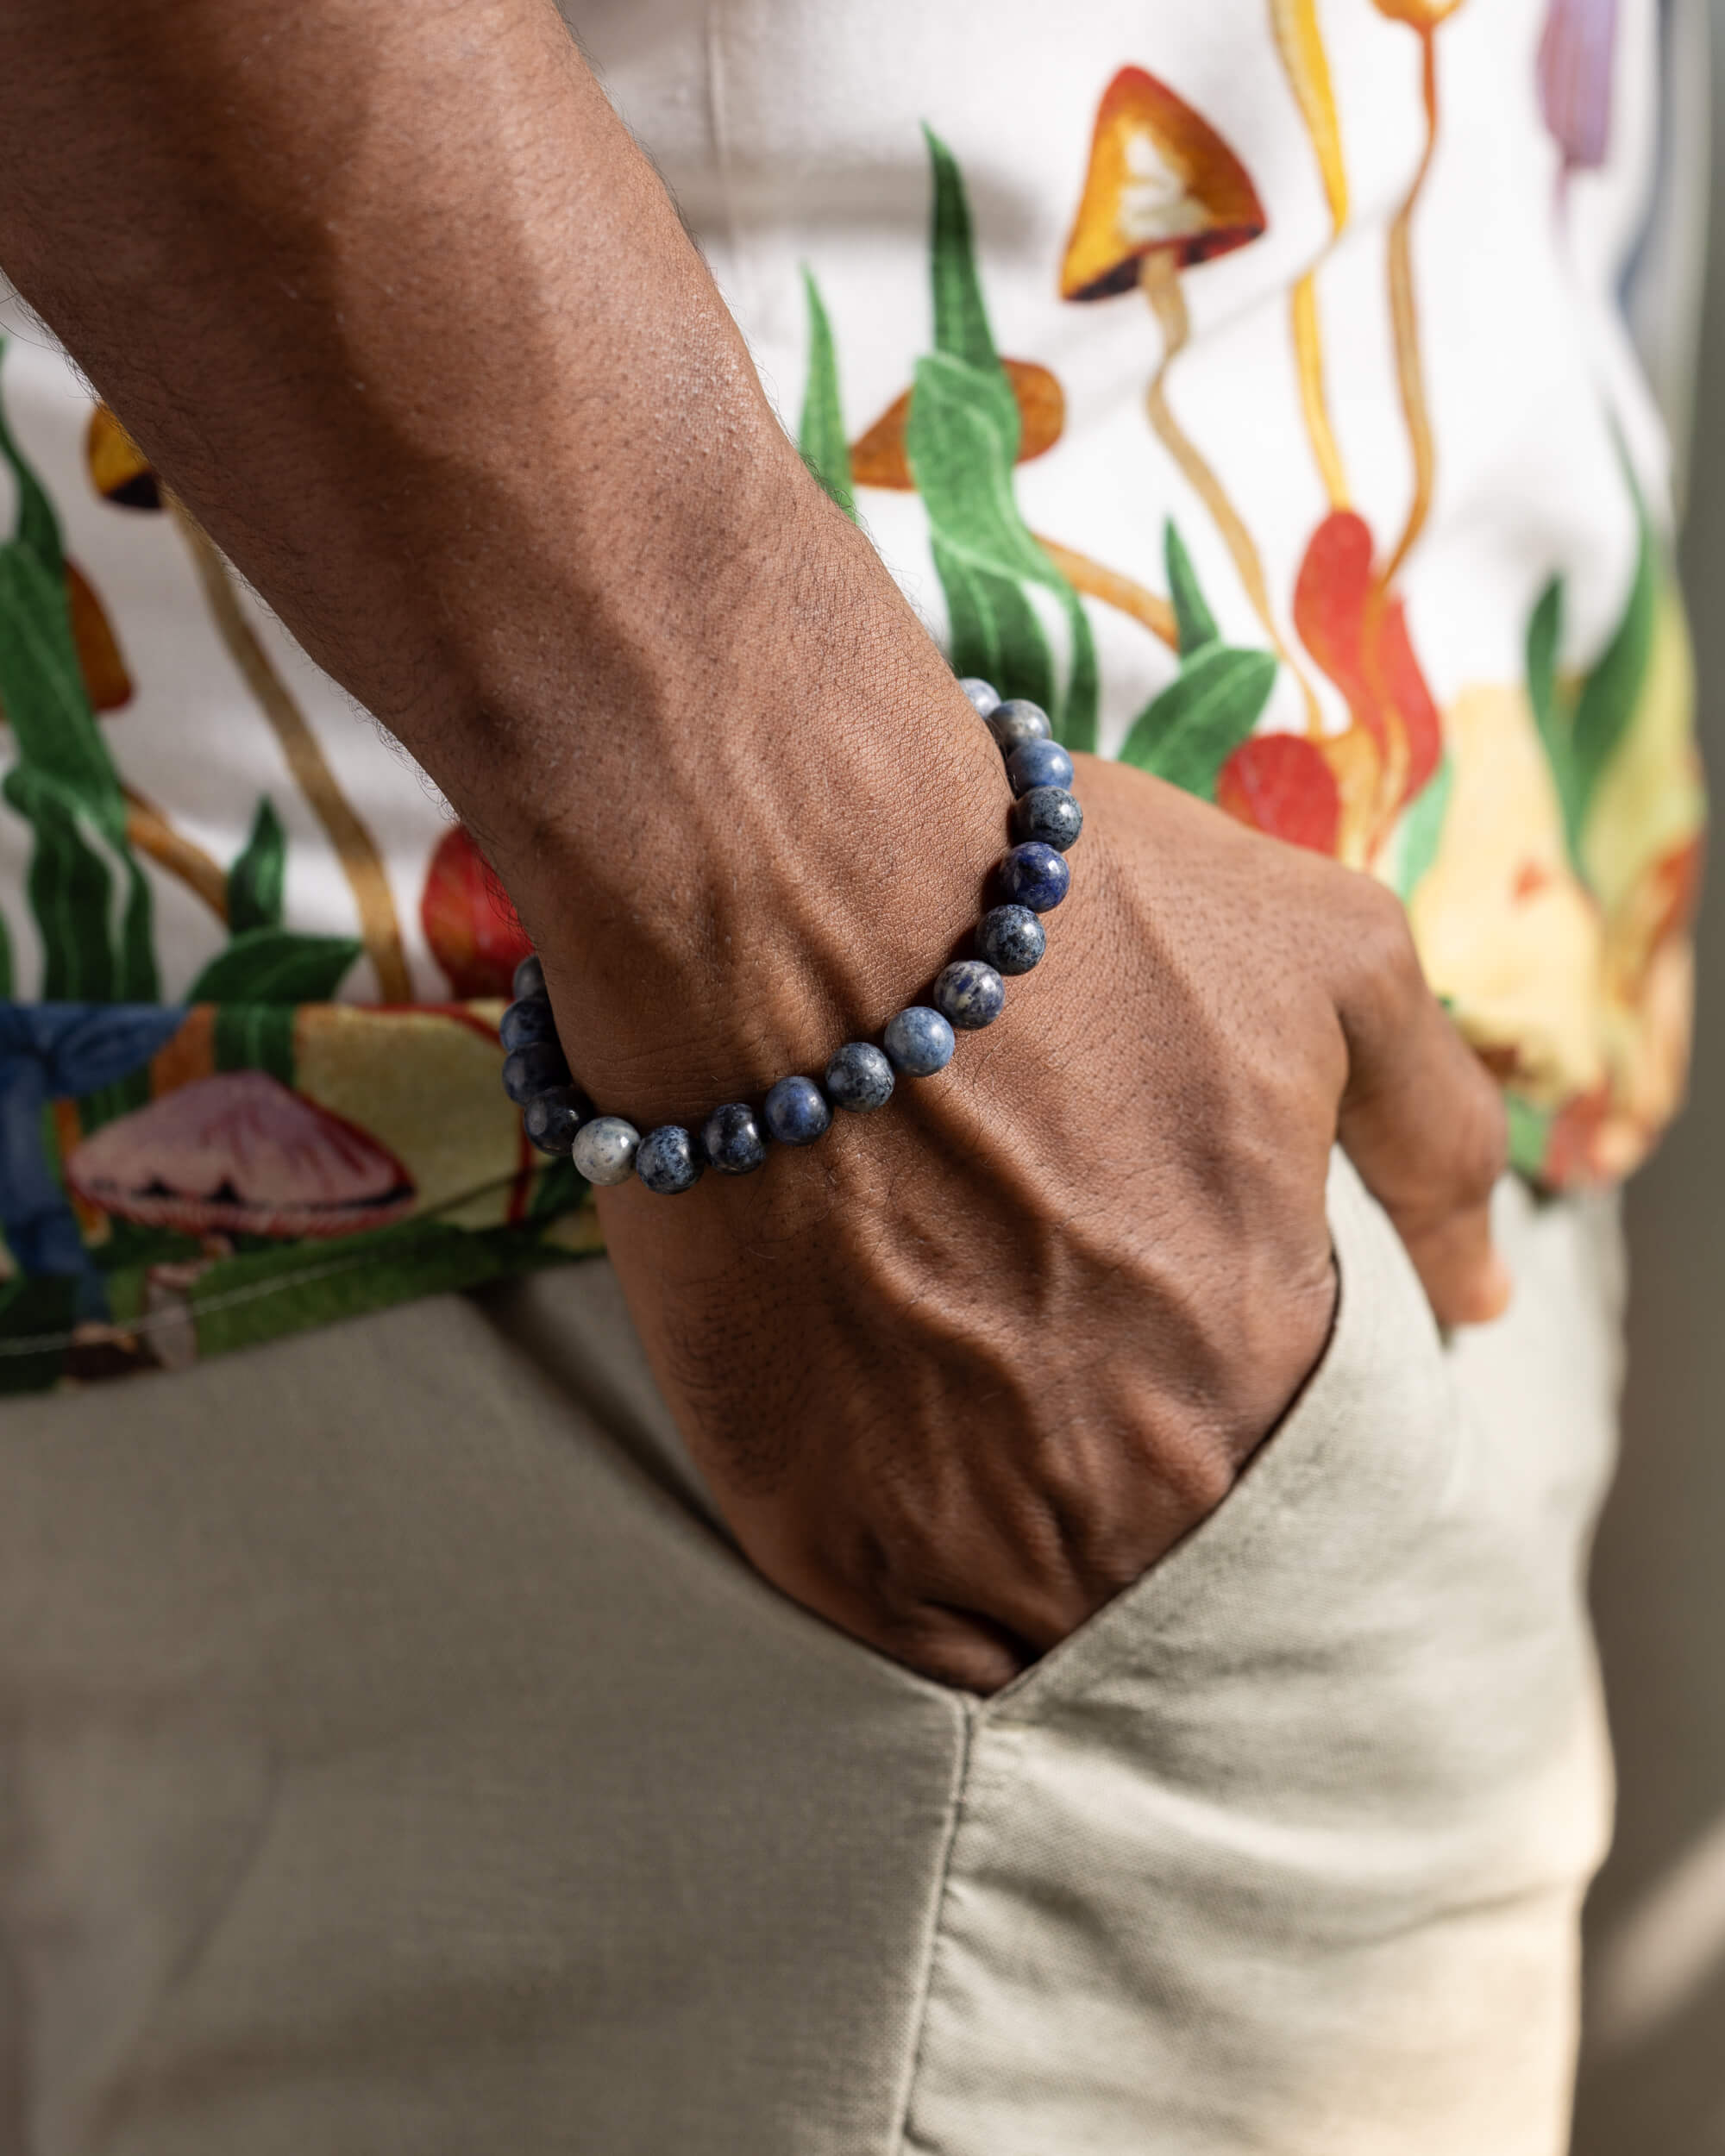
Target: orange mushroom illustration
{"x":119,"y":470}
{"x":878,"y":457}
{"x":1164,"y":193}
{"x":240,"y":1153}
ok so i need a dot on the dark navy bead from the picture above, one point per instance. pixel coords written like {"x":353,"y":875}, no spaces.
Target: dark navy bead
{"x":984,"y":698}
{"x":1038,"y":763}
{"x":919,"y":1041}
{"x":795,"y":1111}
{"x":731,"y":1139}
{"x":526,"y":1022}
{"x":552,"y":1120}
{"x":667,"y":1160}
{"x":969,"y":995}
{"x":604,"y":1149}
{"x":1011,"y":939}
{"x":530,"y":978}
{"x":1050,"y":814}
{"x":1016,"y":721}
{"x":1036,"y":876}
{"x":534,"y":1070}
{"x":859,"y":1078}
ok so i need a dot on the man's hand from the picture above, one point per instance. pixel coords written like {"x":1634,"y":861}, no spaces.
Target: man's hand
{"x":399,"y":310}
{"x":961,"y":1373}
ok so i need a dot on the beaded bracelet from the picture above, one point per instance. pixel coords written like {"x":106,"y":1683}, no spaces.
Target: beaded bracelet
{"x":967,"y":995}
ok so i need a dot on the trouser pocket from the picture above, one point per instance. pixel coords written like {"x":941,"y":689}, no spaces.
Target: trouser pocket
{"x":1282,"y":1851}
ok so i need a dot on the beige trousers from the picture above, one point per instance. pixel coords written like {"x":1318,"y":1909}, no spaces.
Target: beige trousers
{"x":395,"y":1757}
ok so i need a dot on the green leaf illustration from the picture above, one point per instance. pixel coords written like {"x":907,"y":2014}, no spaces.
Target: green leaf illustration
{"x":1195,"y":623}
{"x":1613,"y":688}
{"x":63,"y":781}
{"x":362,"y":1272}
{"x":1189,"y":732}
{"x":821,"y":434}
{"x":1553,"y":716}
{"x":275,"y":965}
{"x":961,"y":319}
{"x":993,"y":629}
{"x":1582,"y":729}
{"x":961,"y":439}
{"x":71,"y":885}
{"x":257,"y":877}
{"x":256,"y":1036}
{"x":961,"y":460}
{"x":38,"y":528}
{"x":1422,"y":828}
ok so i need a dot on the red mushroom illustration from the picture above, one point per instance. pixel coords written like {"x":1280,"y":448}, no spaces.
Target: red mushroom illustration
{"x":1163,"y":193}
{"x":240,"y":1154}
{"x":469,"y":920}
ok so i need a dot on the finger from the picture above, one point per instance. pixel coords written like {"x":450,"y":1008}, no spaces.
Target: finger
{"x":1420,"y":1118}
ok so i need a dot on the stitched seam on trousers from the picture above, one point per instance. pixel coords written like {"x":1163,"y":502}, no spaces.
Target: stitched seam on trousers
{"x":897,"y":2143}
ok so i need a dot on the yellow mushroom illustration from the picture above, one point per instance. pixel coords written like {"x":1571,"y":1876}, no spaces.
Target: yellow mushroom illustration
{"x":1424,"y":18}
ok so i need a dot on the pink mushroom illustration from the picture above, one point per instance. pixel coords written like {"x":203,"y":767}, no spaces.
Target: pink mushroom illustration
{"x":240,"y":1154}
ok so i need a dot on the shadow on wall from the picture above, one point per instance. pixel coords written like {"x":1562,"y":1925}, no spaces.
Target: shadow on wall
{"x":1652,"y":2079}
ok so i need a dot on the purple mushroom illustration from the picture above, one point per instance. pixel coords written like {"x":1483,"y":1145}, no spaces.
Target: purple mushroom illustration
{"x":240,"y":1154}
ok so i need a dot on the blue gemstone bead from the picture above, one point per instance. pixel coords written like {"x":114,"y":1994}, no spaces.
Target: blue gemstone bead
{"x":919,"y":1041}
{"x":536,"y":1069}
{"x":667,"y":1160}
{"x":530,"y":978}
{"x":552,"y":1120}
{"x":526,"y":1022}
{"x":1011,"y":939}
{"x":859,"y":1078}
{"x":795,"y":1111}
{"x":1048,"y":813}
{"x":1038,"y":763}
{"x":604,"y":1149}
{"x":731,"y":1139}
{"x":1016,"y":721}
{"x":1036,"y":876}
{"x":970,"y":995}
{"x":983,"y":696}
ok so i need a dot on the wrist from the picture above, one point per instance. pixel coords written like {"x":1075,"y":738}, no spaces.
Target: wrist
{"x":771,"y":851}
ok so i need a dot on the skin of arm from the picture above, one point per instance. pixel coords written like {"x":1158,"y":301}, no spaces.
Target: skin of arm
{"x":396,"y":306}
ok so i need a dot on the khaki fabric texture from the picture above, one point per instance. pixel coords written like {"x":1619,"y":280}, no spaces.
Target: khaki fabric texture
{"x":396,"y":1756}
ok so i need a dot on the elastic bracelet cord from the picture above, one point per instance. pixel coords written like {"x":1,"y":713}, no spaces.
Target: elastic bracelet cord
{"x":1032,"y":877}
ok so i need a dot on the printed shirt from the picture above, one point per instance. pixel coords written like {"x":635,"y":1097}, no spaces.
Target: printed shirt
{"x":1242,"y":381}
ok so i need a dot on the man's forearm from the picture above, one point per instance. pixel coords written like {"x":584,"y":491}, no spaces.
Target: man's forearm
{"x":400,"y":310}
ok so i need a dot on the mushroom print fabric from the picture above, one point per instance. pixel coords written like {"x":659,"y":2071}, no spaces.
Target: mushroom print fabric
{"x":1242,"y":383}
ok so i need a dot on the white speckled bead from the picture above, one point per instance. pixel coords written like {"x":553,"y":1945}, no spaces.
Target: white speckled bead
{"x":604,"y":1149}
{"x":970,"y":995}
{"x":983,"y":697}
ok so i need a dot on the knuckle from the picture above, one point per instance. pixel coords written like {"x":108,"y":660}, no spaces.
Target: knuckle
{"x":1480,"y":1135}
{"x":1381,"y":943}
